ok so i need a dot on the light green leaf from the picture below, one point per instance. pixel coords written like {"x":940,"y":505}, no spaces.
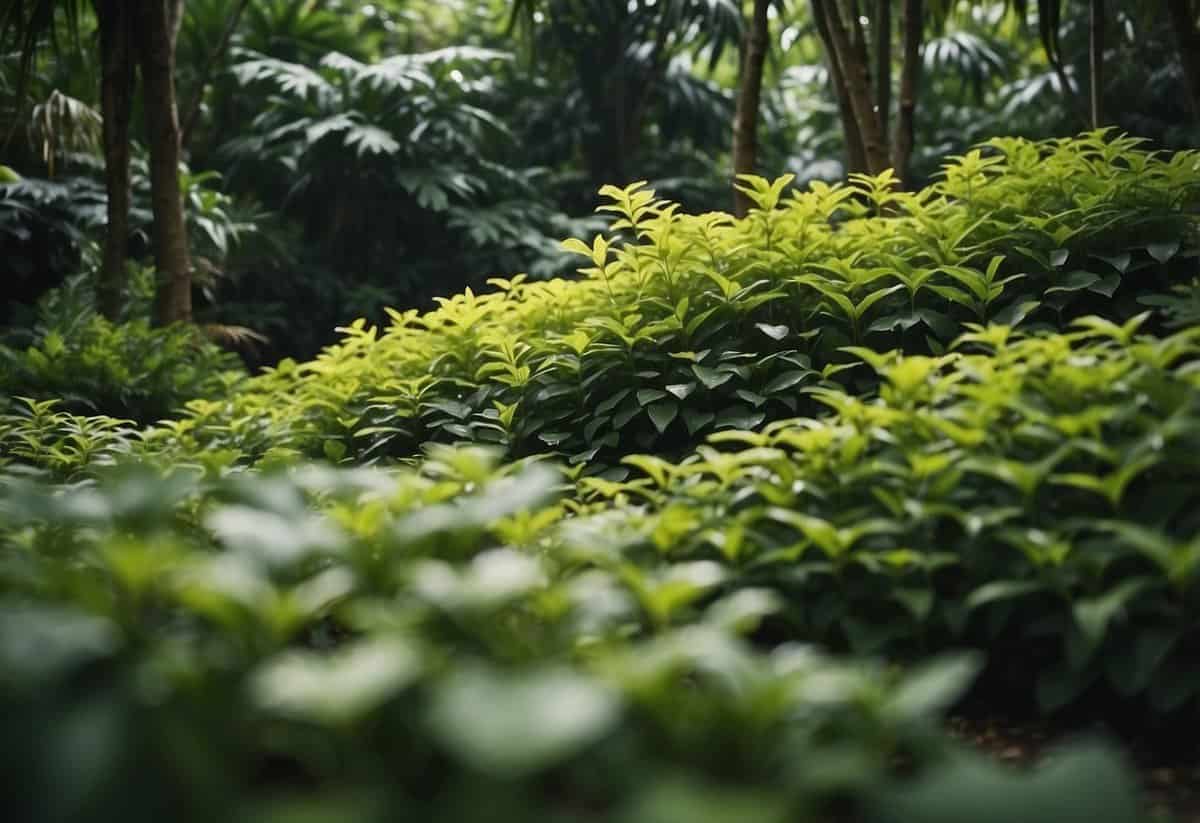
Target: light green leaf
{"x":513,"y":724}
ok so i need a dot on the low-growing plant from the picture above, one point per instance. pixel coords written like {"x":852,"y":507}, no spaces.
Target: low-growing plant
{"x":432,"y":643}
{"x":129,"y":369}
{"x":892,"y":425}
{"x":687,"y":325}
{"x":1034,"y":496}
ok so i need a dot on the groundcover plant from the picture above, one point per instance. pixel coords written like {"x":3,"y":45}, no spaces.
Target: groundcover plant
{"x":714,"y":533}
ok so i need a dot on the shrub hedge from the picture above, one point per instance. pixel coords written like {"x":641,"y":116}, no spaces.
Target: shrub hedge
{"x":702,"y":323}
{"x":943,"y":432}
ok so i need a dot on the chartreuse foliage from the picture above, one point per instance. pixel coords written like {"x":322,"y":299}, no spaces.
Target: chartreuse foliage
{"x":321,"y":644}
{"x":1037,"y":497}
{"x":896,"y":425}
{"x":688,"y":325}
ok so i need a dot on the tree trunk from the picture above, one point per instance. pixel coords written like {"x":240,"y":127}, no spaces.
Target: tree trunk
{"x":1187,"y":38}
{"x":745,"y":118}
{"x":910,"y":79}
{"x":851,"y":54}
{"x":856,"y":155}
{"x":881,"y":25}
{"x":174,"y":20}
{"x":173,"y":298}
{"x":193,"y":110}
{"x":1096,"y":61}
{"x":116,"y":99}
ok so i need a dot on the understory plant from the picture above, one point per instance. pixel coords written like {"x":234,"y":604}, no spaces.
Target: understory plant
{"x":370,"y":645}
{"x":686,"y":325}
{"x":714,"y":532}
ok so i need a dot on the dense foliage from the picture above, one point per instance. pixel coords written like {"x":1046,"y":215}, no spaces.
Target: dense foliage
{"x":703,"y":323}
{"x":320,"y":644}
{"x":335,"y":485}
{"x":67,"y":353}
{"x":951,"y":434}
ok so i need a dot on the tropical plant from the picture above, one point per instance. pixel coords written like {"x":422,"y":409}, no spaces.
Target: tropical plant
{"x":623,"y":60}
{"x":700,"y":323}
{"x":388,"y":165}
{"x":130,"y":38}
{"x":350,"y":643}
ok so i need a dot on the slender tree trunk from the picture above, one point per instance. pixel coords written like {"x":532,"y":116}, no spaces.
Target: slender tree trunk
{"x":173,"y":299}
{"x":745,"y":118}
{"x":1187,"y":38}
{"x":1096,"y":60}
{"x":851,"y":52}
{"x":116,"y":100}
{"x":881,"y":24}
{"x":856,"y":155}
{"x":193,"y":110}
{"x":174,"y":19}
{"x":910,"y":80}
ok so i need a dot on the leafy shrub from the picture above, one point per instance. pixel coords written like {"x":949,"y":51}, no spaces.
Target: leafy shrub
{"x":42,"y":224}
{"x":47,"y":225}
{"x":891,"y":424}
{"x":431,"y":645}
{"x":38,"y":436}
{"x":129,"y":369}
{"x":703,"y":323}
{"x":394,"y":168}
{"x":1034,"y":496}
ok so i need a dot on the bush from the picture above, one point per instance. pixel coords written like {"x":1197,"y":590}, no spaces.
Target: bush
{"x":429,"y":645}
{"x":939,"y":432}
{"x":704,"y":323}
{"x":92,"y":366}
{"x":1035,"y":497}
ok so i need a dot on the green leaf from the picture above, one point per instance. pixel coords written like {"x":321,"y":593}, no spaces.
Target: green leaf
{"x":787,"y":380}
{"x":1164,"y":251}
{"x":610,"y":403}
{"x":942,"y":326}
{"x":934,"y":686}
{"x":621,"y":418}
{"x":918,"y":601}
{"x":681,"y":390}
{"x":1058,"y":686}
{"x":750,"y":397}
{"x":739,"y":417}
{"x":773,"y":332}
{"x":647,"y":396}
{"x":1074,"y":281}
{"x":661,"y":414}
{"x":1093,"y":614}
{"x":454,"y":408}
{"x":1107,"y":285}
{"x":711,"y":378}
{"x":513,"y":724}
{"x":695,"y":419}
{"x":336,"y":688}
{"x":1016,"y":312}
{"x":1120,"y":262}
{"x":999,"y":590}
{"x":1086,"y":782}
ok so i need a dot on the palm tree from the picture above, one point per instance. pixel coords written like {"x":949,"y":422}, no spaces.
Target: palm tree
{"x":621,"y":55}
{"x":133,"y":35}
